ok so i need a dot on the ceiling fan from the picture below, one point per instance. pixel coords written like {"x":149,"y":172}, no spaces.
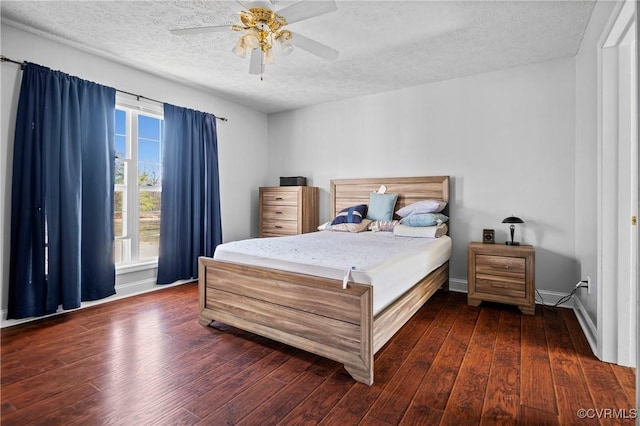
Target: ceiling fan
{"x":262,"y":27}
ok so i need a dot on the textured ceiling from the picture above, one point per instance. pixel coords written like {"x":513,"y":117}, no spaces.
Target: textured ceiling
{"x":384,"y":45}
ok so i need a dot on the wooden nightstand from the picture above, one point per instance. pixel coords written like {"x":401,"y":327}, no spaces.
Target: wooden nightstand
{"x":503,"y":274}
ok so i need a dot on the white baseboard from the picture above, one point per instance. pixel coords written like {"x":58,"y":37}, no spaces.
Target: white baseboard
{"x":588,"y":327}
{"x":458,"y":285}
{"x":550,"y":298}
{"x":122,"y":291}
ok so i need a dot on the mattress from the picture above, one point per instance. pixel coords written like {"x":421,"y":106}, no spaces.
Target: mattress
{"x":391,"y":264}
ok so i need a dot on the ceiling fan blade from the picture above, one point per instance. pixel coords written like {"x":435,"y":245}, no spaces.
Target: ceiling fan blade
{"x":255,"y":62}
{"x":198,"y":30}
{"x":314,"y":47}
{"x":248,"y":4}
{"x":307,"y":9}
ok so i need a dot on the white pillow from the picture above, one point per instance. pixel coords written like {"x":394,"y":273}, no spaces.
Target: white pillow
{"x":420,"y":231}
{"x":383,"y":225}
{"x":426,"y":206}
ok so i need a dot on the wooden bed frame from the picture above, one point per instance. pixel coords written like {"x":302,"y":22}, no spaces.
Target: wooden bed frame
{"x":313,"y":313}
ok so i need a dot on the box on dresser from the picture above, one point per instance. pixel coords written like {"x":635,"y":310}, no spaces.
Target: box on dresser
{"x":293,"y":181}
{"x":288,"y":210}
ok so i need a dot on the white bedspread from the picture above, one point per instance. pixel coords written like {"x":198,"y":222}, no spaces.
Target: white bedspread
{"x":392,"y":265}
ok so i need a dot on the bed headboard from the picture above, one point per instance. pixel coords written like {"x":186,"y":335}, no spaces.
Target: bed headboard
{"x":350,"y":192}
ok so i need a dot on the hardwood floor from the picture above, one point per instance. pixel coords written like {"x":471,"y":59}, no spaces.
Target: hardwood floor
{"x":146,"y":361}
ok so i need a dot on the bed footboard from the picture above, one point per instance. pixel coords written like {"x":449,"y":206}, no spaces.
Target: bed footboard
{"x":310,"y":313}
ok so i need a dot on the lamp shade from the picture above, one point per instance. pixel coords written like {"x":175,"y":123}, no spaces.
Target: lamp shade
{"x":512,"y":219}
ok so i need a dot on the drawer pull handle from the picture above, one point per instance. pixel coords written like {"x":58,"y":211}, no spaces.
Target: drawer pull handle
{"x":278,"y":227}
{"x":500,"y":266}
{"x":499,"y":285}
{"x":278,"y":212}
{"x":279,"y":198}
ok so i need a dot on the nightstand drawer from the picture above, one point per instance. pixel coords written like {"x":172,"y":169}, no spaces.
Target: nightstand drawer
{"x":280,"y":198}
{"x":280,"y":227}
{"x":503,"y":266}
{"x":500,"y":286}
{"x":277,"y":213}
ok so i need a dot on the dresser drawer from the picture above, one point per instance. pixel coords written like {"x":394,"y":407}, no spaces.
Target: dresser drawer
{"x":279,"y":227}
{"x":280,"y":198}
{"x":280,"y":212}
{"x":502,"y":266}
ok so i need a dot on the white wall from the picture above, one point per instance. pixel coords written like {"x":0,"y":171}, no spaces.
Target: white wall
{"x":506,"y":139}
{"x":587,"y":154}
{"x":242,"y":141}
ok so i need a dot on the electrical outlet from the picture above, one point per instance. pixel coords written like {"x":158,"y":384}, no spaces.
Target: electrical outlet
{"x":588,"y":284}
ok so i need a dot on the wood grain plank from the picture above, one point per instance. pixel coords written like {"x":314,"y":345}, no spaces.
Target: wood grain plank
{"x":468,"y":393}
{"x":319,"y":402}
{"x":535,"y":416}
{"x":50,"y":408}
{"x":282,"y":403}
{"x":245,"y":402}
{"x":627,"y":379}
{"x":420,"y":415}
{"x":572,"y":392}
{"x":437,"y":384}
{"x":536,"y":385}
{"x":205,"y":403}
{"x":502,"y":398}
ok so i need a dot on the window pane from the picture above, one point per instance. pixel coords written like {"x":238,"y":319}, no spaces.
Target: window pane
{"x":149,"y":223}
{"x":149,"y":174}
{"x":121,"y":146}
{"x":149,"y":151}
{"x":121,"y":172}
{"x":148,"y":127}
{"x":121,"y":122}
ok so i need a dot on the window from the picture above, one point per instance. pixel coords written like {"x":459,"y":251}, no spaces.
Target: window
{"x":138,"y":177}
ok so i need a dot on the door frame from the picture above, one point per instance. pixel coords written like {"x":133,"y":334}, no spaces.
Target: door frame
{"x":617,"y":255}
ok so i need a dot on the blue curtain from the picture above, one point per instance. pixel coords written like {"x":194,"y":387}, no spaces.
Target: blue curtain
{"x":62,"y":194}
{"x":190,"y":224}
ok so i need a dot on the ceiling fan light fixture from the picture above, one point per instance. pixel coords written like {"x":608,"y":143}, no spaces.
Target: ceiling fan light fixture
{"x":240,"y":48}
{"x":251,"y":38}
{"x":285,"y":45}
{"x":267,"y":57}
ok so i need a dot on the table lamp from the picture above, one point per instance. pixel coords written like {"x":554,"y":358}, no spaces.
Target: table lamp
{"x":511,"y":220}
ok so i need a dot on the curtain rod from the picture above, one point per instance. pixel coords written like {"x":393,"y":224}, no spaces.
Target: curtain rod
{"x":5,"y":59}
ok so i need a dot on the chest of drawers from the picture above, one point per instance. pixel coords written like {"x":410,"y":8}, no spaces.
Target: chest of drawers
{"x":501,"y":273}
{"x":288,"y":210}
